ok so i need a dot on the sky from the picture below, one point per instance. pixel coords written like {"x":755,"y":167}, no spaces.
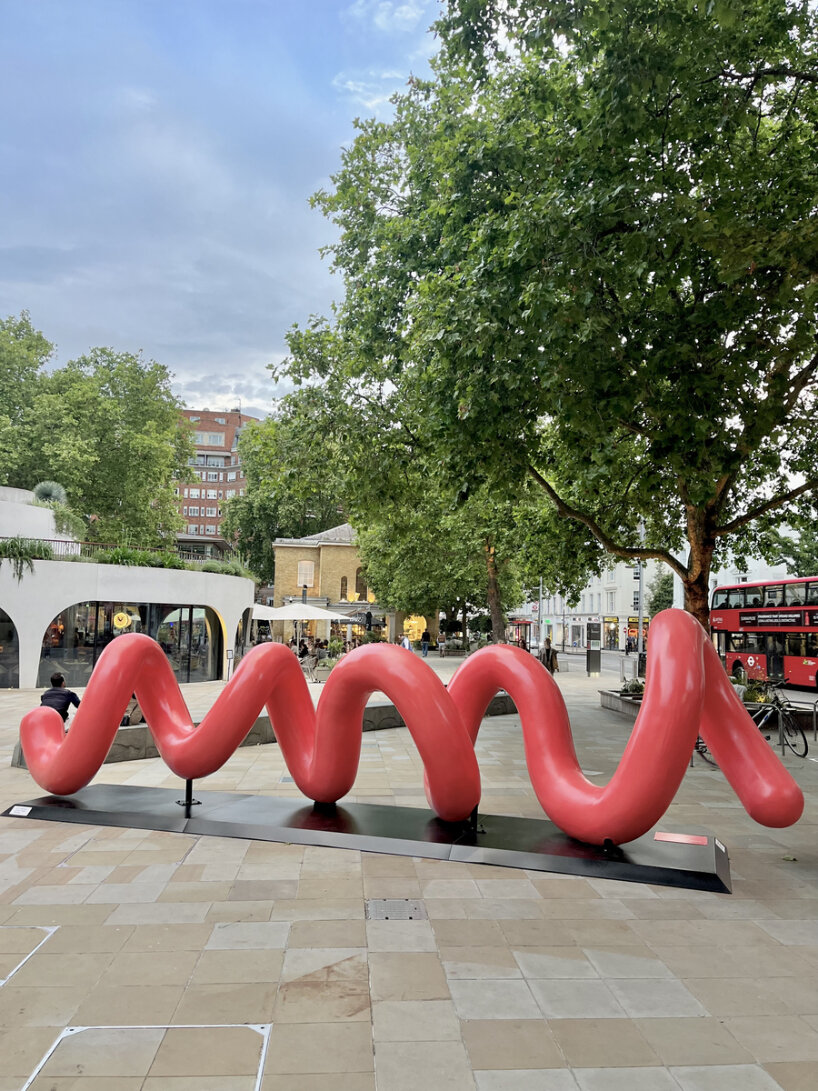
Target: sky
{"x":156,"y":163}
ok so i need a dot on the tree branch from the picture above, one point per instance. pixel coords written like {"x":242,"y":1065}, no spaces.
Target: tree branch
{"x":762,"y":509}
{"x":568,"y":512}
{"x":761,"y":73}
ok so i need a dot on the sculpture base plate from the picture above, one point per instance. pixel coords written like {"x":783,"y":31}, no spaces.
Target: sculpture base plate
{"x":666,"y":856}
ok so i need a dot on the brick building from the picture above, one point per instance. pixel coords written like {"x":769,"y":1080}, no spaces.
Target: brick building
{"x":218,"y":477}
{"x":327,"y":565}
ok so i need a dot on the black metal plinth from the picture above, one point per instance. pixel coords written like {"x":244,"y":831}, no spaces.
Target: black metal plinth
{"x":666,"y":856}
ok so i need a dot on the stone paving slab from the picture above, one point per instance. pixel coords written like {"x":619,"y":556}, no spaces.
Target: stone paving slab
{"x":516,"y":981}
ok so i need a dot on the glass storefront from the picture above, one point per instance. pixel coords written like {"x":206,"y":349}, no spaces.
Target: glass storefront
{"x":190,"y":636}
{"x":9,"y":653}
{"x":610,"y":639}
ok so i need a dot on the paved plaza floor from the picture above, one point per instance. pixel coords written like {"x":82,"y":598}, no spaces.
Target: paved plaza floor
{"x":133,"y":960}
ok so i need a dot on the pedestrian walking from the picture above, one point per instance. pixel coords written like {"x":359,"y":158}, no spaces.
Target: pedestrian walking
{"x":549,"y":658}
{"x":425,"y":641}
{"x":441,"y":644}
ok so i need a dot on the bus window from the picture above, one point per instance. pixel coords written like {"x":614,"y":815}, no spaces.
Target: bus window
{"x":754,"y":597}
{"x":736,"y":642}
{"x":720,"y":598}
{"x":774,"y":595}
{"x":812,"y":594}
{"x":754,"y":642}
{"x":735,"y":598}
{"x":795,"y":594}
{"x":811,"y":645}
{"x":795,"y":644}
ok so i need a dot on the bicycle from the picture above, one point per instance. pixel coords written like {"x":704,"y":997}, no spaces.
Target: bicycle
{"x":767,"y":716}
{"x":701,"y":749}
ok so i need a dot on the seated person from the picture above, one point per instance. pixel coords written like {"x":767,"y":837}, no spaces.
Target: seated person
{"x":58,"y":697}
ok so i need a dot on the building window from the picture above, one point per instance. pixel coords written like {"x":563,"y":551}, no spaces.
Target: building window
{"x":210,"y":512}
{"x":230,"y":492}
{"x":211,"y":494}
{"x":212,"y":476}
{"x":306,"y":573}
{"x":192,"y":528}
{"x":231,"y":476}
{"x":193,"y":511}
{"x":194,"y":494}
{"x":343,"y":589}
{"x":220,"y":420}
{"x":360,"y":585}
{"x":209,"y":439}
{"x":611,"y":601}
{"x":210,"y":530}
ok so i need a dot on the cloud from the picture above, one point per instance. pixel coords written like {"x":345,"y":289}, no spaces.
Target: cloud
{"x":371,"y":89}
{"x":157,"y":161}
{"x":389,"y":16}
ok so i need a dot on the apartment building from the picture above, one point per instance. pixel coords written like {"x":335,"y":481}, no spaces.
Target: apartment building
{"x":218,"y":477}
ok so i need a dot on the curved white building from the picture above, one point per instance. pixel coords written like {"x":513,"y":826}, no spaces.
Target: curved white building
{"x":61,"y":615}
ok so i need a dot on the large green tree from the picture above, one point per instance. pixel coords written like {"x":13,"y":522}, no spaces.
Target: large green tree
{"x":108,"y":428}
{"x":24,"y":352}
{"x":105,"y":426}
{"x":295,"y":486}
{"x":425,"y":545}
{"x":586,"y":253}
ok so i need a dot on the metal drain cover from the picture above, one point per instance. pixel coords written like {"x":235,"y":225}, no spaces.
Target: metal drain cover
{"x":395,"y":909}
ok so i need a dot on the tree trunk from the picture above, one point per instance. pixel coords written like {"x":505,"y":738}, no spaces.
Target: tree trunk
{"x":498,"y":628}
{"x":700,"y":559}
{"x":697,"y":598}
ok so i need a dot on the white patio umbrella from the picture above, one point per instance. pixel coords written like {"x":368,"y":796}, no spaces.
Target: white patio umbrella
{"x":297,"y":611}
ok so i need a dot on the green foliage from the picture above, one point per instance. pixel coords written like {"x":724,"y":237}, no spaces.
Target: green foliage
{"x":798,"y":552}
{"x":68,"y":522}
{"x":371,"y":638}
{"x":126,"y":555}
{"x":335,"y":648}
{"x":23,"y":354}
{"x":50,"y":492}
{"x":106,"y":426}
{"x":141,"y":558}
{"x":660,"y":593}
{"x":21,"y":553}
{"x":589,"y":257}
{"x":226,"y":568}
{"x":293,"y":485}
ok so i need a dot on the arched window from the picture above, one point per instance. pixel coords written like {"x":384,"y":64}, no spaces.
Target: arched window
{"x":360,"y":584}
{"x":343,"y":589}
{"x":9,"y":653}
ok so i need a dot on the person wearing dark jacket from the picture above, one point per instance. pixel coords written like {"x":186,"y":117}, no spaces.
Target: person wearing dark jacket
{"x":58,"y":697}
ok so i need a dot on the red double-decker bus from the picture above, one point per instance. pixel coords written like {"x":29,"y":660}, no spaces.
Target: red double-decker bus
{"x":768,"y":630}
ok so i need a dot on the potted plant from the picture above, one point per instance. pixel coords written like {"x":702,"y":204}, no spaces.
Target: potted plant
{"x":634,"y":689}
{"x":322,"y":668}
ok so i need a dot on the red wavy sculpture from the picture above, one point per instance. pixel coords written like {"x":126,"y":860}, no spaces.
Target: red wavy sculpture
{"x":687,"y":693}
